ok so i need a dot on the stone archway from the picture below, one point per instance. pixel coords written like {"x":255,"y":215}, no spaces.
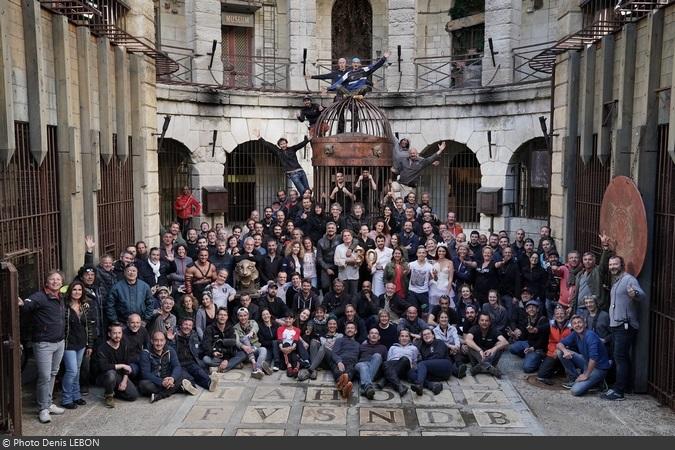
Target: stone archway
{"x":352,"y":29}
{"x":174,"y":160}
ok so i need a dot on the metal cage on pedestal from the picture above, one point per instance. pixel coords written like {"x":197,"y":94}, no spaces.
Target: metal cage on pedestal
{"x":350,"y":136}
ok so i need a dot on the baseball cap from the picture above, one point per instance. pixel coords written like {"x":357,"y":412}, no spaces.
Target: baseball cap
{"x":272,"y":284}
{"x":532,"y":302}
{"x":355,"y":60}
{"x":528,"y":290}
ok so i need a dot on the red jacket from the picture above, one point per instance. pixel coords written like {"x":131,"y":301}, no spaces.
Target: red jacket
{"x":555,"y":335}
{"x":187,"y":206}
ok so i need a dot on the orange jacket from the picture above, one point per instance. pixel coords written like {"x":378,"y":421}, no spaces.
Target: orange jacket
{"x":555,"y":335}
{"x":187,"y":206}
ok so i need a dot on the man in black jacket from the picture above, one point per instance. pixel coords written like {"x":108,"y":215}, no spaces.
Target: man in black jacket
{"x":345,"y":355}
{"x":155,"y":271}
{"x":392,"y":303}
{"x":509,"y":280}
{"x":274,"y":304}
{"x":112,"y":364}
{"x":270,"y":264}
{"x":188,"y":349}
{"x":289,"y":160}
{"x":371,"y":355}
{"x":310,"y":112}
{"x":137,"y":339}
{"x":325,"y":253}
{"x":336,"y":300}
{"x":219,"y":344}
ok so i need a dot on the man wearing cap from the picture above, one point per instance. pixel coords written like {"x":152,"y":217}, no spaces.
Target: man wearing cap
{"x":588,"y":365}
{"x":277,"y":307}
{"x":530,"y":336}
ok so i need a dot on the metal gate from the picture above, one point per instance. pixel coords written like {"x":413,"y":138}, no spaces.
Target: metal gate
{"x":591,"y":181}
{"x":10,"y":352}
{"x":237,"y":57}
{"x":174,"y":173}
{"x":661,"y":377}
{"x":116,"y":204}
{"x":453,"y":184}
{"x":253,"y":176}
{"x":29,"y":211}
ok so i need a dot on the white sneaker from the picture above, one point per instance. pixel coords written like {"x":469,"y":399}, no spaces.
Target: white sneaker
{"x":44,"y":416}
{"x":53,"y":409}
{"x":189,"y":387}
{"x":213,"y":384}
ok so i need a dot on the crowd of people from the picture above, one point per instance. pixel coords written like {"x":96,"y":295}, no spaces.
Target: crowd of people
{"x":403,"y":297}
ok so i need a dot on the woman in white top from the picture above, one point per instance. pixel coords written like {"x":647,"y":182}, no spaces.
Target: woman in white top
{"x":309,"y":261}
{"x":222,"y":292}
{"x":447,"y":333}
{"x":383,"y":258}
{"x":443,"y":273}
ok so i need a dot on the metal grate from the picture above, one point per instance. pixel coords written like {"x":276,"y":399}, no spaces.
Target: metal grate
{"x":253,"y":176}
{"x":237,"y":53}
{"x":453,"y":184}
{"x":591,"y":181}
{"x":29,"y":211}
{"x":661,"y":378}
{"x":174,"y":173}
{"x":10,"y":353}
{"x":116,"y":204}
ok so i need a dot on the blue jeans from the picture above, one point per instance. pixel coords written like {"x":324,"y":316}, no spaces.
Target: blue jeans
{"x":72,"y":360}
{"x":532,"y":359}
{"x":622,"y":341}
{"x":299,"y":180}
{"x":439,"y":369}
{"x":368,"y":370}
{"x":48,"y":357}
{"x":195,"y":373}
{"x":577,"y":365}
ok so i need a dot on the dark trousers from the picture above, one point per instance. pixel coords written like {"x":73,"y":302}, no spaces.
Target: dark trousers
{"x":549,"y":366}
{"x":623,"y":341}
{"x":419,"y":300}
{"x":147,"y":387}
{"x":111,"y":379}
{"x":476,"y":359}
{"x":194,"y":372}
{"x":350,"y":369}
{"x":184,"y":224}
{"x":395,"y":369}
{"x":431,"y":370}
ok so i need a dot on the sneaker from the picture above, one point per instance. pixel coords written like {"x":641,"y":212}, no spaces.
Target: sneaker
{"x":494,"y":371}
{"x":84,"y":390}
{"x":313,"y":374}
{"x":417,"y":389}
{"x":190,"y":388}
{"x":266,"y":368}
{"x":44,"y":416}
{"x":53,"y":409}
{"x":80,"y":401}
{"x":303,"y":374}
{"x":612,"y":395}
{"x":568,"y":384}
{"x":344,"y":379}
{"x":346,"y":390}
{"x":153,"y":398}
{"x":257,"y":374}
{"x":370,"y":393}
{"x":402,"y":390}
{"x":546,"y":381}
{"x":461,"y":372}
{"x":213,"y":370}
{"x":436,"y":388}
{"x":69,"y":405}
{"x":213,"y":381}
{"x":275,"y":369}
{"x":475,"y":370}
{"x":109,"y":401}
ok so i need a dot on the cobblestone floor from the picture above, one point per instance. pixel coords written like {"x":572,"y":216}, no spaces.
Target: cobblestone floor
{"x":280,"y":406}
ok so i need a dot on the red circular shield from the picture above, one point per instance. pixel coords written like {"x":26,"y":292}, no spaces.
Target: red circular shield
{"x":624,"y":220}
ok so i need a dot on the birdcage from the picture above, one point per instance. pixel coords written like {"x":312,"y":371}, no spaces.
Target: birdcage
{"x":351,"y":136}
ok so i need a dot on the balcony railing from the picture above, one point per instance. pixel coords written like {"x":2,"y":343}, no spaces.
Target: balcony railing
{"x":522,"y":57}
{"x":267,"y":73}
{"x":378,"y":78}
{"x":448,"y":72}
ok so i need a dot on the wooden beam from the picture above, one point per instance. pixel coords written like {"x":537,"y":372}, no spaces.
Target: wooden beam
{"x":7,"y":138}
{"x":122,"y":102}
{"x":606,"y":112}
{"x":588,"y":105}
{"x":104,"y":103}
{"x":35,"y":79}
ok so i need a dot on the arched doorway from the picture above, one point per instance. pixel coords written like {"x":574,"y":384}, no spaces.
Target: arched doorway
{"x":352,"y":30}
{"x":527,"y":180}
{"x":174,"y":173}
{"x":453,"y":183}
{"x":253,"y":176}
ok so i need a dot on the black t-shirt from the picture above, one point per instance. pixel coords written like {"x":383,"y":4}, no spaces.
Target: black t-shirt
{"x":484,"y":342}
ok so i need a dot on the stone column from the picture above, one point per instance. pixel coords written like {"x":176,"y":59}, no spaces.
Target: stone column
{"x":402,"y":25}
{"x":502,"y":24}
{"x":204,"y":25}
{"x":302,"y":33}
{"x":569,"y":17}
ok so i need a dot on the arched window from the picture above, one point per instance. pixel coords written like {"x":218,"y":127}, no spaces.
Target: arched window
{"x":352,"y":29}
{"x":528,"y":180}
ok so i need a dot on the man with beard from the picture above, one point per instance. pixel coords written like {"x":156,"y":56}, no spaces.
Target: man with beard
{"x":485,"y":346}
{"x":592,"y":278}
{"x":325,"y":255}
{"x":114,"y":369}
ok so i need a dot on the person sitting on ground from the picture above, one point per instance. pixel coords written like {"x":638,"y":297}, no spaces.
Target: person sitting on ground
{"x":161,"y":373}
{"x":188,"y":349}
{"x":219,"y":344}
{"x":351,"y":317}
{"x":485,"y":346}
{"x":443,"y":306}
{"x":371,"y":355}
{"x":391,"y":302}
{"x":559,"y":328}
{"x":246,"y":332}
{"x":596,"y":319}
{"x":345,"y":355}
{"x":447,"y":333}
{"x":412,"y":323}
{"x":433,"y":367}
{"x":401,"y":358}
{"x":163,"y":320}
{"x":111,"y":363}
{"x":321,"y":350}
{"x":530,"y":338}
{"x":586,"y":367}
{"x":288,"y":337}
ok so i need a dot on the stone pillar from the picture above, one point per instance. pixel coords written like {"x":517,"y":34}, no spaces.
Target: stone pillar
{"x":502,"y":24}
{"x":402,"y":26}
{"x":569,"y":17}
{"x":7,"y":139}
{"x":302,"y":32}
{"x":204,"y":25}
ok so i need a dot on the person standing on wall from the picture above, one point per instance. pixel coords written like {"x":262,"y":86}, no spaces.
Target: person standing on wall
{"x":187,"y":207}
